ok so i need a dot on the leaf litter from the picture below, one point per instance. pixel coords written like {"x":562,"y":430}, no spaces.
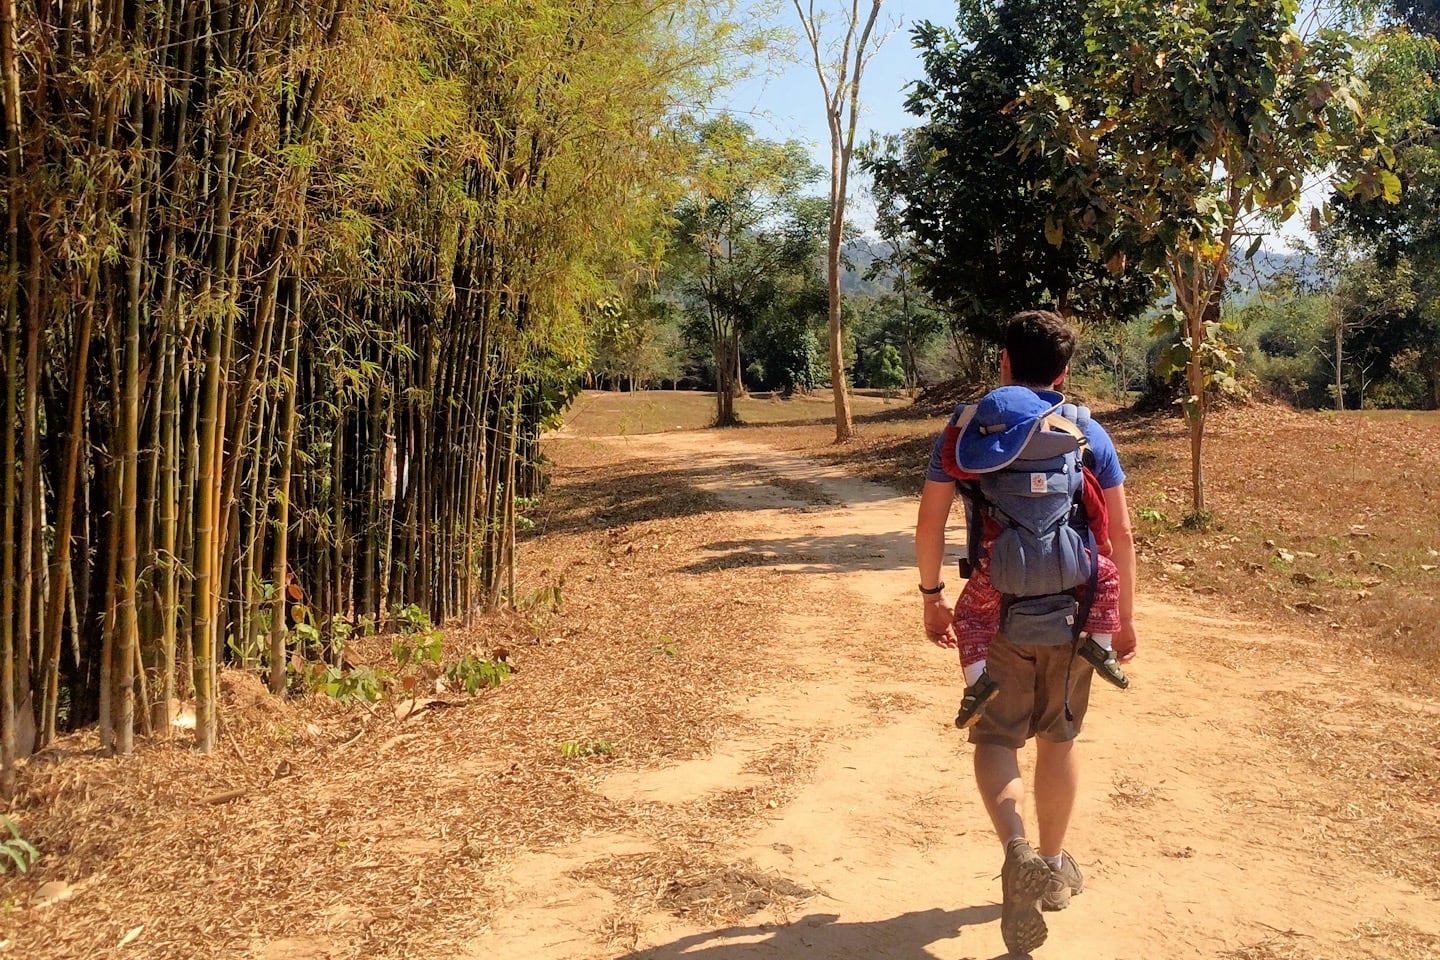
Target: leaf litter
{"x":384,"y":830}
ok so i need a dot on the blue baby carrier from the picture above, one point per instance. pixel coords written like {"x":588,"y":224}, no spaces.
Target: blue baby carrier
{"x":1021,"y":462}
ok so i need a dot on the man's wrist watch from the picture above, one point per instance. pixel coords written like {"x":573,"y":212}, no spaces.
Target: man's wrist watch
{"x":931,"y":591}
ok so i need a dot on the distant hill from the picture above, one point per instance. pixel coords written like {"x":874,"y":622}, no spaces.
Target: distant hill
{"x":858,"y":254}
{"x":1268,"y":266}
{"x":1261,"y":270}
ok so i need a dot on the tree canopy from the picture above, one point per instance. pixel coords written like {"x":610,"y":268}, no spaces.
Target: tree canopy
{"x":1192,"y":128}
{"x":742,"y":226}
{"x":980,"y":213}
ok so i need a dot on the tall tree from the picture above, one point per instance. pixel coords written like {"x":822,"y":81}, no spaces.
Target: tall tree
{"x":983,"y":216}
{"x":744,"y":224}
{"x":1192,"y":127}
{"x":840,"y":66}
{"x":900,"y":262}
{"x":1403,"y":240}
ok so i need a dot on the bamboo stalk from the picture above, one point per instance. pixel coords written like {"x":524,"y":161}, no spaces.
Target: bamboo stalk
{"x":10,"y":71}
{"x":282,"y":508}
{"x":127,"y":635}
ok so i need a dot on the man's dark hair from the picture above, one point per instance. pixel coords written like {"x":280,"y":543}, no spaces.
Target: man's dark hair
{"x":1039,"y":344}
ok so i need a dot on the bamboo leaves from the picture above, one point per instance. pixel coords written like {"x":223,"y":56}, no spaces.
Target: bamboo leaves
{"x":289,"y":285}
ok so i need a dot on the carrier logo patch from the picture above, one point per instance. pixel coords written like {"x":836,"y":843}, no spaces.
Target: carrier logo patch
{"x":1038,"y":484}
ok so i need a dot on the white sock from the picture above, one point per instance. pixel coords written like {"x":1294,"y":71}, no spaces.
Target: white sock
{"x":972,"y":671}
{"x":1055,"y":861}
{"x":1103,"y":639}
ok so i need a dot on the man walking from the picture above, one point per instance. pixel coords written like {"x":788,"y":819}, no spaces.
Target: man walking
{"x":1043,"y":691}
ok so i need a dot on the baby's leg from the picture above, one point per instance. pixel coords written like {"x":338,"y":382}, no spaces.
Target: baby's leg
{"x":1104,"y":618}
{"x":977,"y":619}
{"x":1102,"y":623}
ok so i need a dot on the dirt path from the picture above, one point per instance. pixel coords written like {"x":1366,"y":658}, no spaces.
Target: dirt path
{"x":1210,"y":823}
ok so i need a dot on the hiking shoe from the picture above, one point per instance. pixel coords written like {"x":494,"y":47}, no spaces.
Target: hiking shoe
{"x":1024,"y":879}
{"x":1064,"y":884}
{"x":1104,"y":662}
{"x":976,"y":696}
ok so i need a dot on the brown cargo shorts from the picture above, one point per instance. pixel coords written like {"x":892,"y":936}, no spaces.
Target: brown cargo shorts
{"x":1031,"y":700}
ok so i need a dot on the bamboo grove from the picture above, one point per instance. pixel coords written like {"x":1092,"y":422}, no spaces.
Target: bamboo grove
{"x":289,"y":289}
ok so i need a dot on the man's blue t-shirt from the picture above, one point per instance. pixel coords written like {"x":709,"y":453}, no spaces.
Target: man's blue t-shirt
{"x":1107,"y":461}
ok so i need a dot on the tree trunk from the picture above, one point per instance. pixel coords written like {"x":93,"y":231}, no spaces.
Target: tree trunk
{"x":841,"y":94}
{"x":206,"y":537}
{"x":724,"y":388}
{"x":1195,"y":412}
{"x":1339,"y":359}
{"x":127,"y":625}
{"x":844,"y":426}
{"x":169,"y":466}
{"x":64,"y":520}
{"x":9,"y":70}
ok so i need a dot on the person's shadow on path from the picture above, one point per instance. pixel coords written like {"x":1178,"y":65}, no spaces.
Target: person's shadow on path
{"x":820,"y":936}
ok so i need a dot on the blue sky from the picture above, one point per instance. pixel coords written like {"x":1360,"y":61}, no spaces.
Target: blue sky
{"x":783,"y":101}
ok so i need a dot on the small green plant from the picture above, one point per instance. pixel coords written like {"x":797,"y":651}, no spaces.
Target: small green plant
{"x":579,"y":749}
{"x":667,"y":647}
{"x":410,"y":651}
{"x":523,"y":505}
{"x":360,"y":683}
{"x":16,"y":850}
{"x":418,"y":641}
{"x":474,"y":673}
{"x":307,"y":639}
{"x":411,"y":619}
{"x":341,"y":630}
{"x":1151,"y":514}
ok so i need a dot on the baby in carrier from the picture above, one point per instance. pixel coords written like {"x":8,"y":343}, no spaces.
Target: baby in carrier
{"x":1038,"y":563}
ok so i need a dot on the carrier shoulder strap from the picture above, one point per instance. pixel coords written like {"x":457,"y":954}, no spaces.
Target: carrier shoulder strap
{"x":1072,"y":419}
{"x":968,"y":486}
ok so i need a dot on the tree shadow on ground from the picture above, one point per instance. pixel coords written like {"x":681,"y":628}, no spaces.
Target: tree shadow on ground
{"x":614,"y":496}
{"x":640,"y":490}
{"x":822,"y":936}
{"x":817,"y":554}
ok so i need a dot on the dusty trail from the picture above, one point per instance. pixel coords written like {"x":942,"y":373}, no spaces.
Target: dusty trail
{"x":1199,"y":834}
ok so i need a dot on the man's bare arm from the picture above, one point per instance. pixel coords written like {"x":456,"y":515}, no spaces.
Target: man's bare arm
{"x":934,"y":515}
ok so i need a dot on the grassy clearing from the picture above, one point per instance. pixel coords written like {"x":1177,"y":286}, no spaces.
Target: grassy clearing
{"x":602,"y":413}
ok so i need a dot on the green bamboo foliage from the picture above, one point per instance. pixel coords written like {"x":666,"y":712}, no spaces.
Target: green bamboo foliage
{"x":289,"y":289}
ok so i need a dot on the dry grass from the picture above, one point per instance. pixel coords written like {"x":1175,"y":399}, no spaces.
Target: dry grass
{"x":350,"y":829}
{"x":690,"y":886}
{"x":1330,"y":524}
{"x":367,"y":834}
{"x":1387,"y":756}
{"x":601,"y":413}
{"x":1127,"y":791}
{"x":1368,"y":941}
{"x":883,"y":706}
{"x":1352,"y":501}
